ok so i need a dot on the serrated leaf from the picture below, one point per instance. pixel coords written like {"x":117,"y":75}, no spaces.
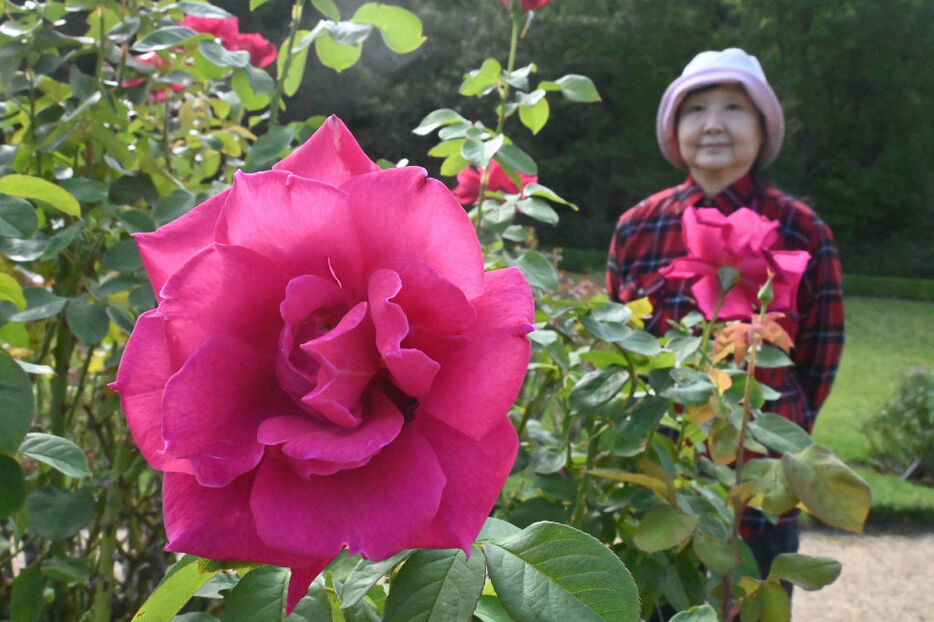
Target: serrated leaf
{"x":164,"y":38}
{"x":517,"y":159}
{"x":663,"y":528}
{"x":811,"y":573}
{"x":553,"y":572}
{"x":438,"y":585}
{"x":364,"y":576}
{"x":400,"y":29}
{"x":57,"y":452}
{"x":828,"y":488}
{"x":36,"y":188}
{"x":257,"y":597}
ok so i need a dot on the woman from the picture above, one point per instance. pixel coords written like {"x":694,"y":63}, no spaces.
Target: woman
{"x":722,"y":122}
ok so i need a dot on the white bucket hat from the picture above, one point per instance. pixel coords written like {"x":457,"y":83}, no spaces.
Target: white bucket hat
{"x":731,"y":66}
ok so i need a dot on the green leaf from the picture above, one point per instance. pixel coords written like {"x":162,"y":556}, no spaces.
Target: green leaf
{"x":715,"y":554}
{"x":811,"y":573}
{"x":176,"y":589}
{"x":164,"y":38}
{"x":255,"y":4}
{"x":770,"y":356}
{"x":553,"y":572}
{"x":173,"y":205}
{"x":26,"y":596}
{"x":517,"y":159}
{"x":701,"y":613}
{"x":86,"y":190}
{"x":479,"y":153}
{"x":28,"y":187}
{"x":438,"y":118}
{"x":260,"y":81}
{"x":538,"y":209}
{"x":11,"y":290}
{"x":16,"y":404}
{"x":121,"y":318}
{"x":12,"y":486}
{"x":778,"y":433}
{"x":40,"y":304}
{"x":293,"y":79}
{"x":640,"y":342}
{"x":123,"y":256}
{"x":489,"y":609}
{"x":828,"y":488}
{"x":538,"y":270}
{"x":222,"y":57}
{"x":328,"y":9}
{"x":662,"y":528}
{"x":69,"y":570}
{"x":334,"y":55}
{"x":89,"y":322}
{"x":777,"y":497}
{"x":57,"y":452}
{"x":437,"y":585}
{"x":17,"y":218}
{"x":401,"y":29}
{"x":55,"y":513}
{"x":578,"y":88}
{"x":364,"y":576}
{"x":535,"y":116}
{"x":258,"y":597}
{"x":596,"y":388}
{"x":269,"y":147}
{"x":124,"y":31}
{"x":199,"y":9}
{"x":481,"y":81}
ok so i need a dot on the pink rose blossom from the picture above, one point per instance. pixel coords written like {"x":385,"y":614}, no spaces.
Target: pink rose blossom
{"x":468,"y":182}
{"x":227,"y":29}
{"x":743,"y":240}
{"x":328,"y":368}
{"x":156,"y":94}
{"x":529,"y":5}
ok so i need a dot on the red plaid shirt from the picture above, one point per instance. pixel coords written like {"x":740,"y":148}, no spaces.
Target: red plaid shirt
{"x":648,"y":238}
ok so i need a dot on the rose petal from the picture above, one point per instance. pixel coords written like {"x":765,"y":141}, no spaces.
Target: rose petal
{"x":751,"y":232}
{"x":144,"y":370}
{"x":310,"y":225}
{"x":475,"y":470}
{"x":307,"y":438}
{"x":216,"y":523}
{"x":347,"y":362}
{"x":391,"y":209}
{"x":688,"y":267}
{"x":704,"y":232}
{"x":223,"y":290}
{"x":165,"y":250}
{"x":376,"y":510}
{"x":411,"y":370}
{"x":478,"y":383}
{"x":793,"y":264}
{"x":332,"y":155}
{"x":213,"y":406}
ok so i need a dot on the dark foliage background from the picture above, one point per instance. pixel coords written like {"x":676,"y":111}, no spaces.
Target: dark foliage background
{"x":855,"y":78}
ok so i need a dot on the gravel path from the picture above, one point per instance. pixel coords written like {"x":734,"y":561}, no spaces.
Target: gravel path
{"x":887,"y":577}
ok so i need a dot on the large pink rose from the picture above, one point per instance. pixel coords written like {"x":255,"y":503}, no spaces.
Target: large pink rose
{"x":468,"y":182}
{"x":743,"y":240}
{"x":328,"y":366}
{"x":529,"y":5}
{"x":262,"y":52}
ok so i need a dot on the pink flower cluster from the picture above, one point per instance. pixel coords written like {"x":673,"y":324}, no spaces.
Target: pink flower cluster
{"x":328,"y":367}
{"x":468,"y":182}
{"x":745,"y":241}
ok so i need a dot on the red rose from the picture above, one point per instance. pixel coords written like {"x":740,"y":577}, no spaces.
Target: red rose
{"x":227,"y":29}
{"x":468,"y":182}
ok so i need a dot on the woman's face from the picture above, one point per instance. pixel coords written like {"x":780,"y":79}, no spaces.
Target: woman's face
{"x":719,"y":133}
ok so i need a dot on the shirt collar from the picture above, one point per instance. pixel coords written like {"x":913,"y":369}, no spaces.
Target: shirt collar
{"x":740,"y":194}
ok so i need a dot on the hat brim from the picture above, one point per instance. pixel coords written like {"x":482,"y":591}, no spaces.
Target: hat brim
{"x":761,"y":94}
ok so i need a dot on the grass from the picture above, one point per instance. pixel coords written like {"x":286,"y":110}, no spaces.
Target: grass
{"x":885,"y":338}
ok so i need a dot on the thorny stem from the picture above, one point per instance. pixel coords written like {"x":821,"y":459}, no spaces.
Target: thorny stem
{"x":286,"y":64}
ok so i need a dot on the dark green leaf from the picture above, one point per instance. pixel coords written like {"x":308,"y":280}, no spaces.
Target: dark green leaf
{"x":547,"y":460}
{"x":222,"y":57}
{"x":778,"y":433}
{"x":199,"y":9}
{"x":644,"y":417}
{"x":258,"y":597}
{"x":496,"y":529}
{"x":538,"y":209}
{"x":365,"y":575}
{"x":124,"y":31}
{"x":121,"y":318}
{"x":26,"y":596}
{"x":40,"y":304}
{"x":12,"y":485}
{"x":640,"y":342}
{"x":440,"y":585}
{"x":57,"y":452}
{"x":55,"y":513}
{"x":269,"y":147}
{"x":662,"y":528}
{"x":770,"y":356}
{"x":143,"y":298}
{"x":715,"y":554}
{"x":136,"y":220}
{"x":24,"y":250}
{"x":165,"y":38}
{"x":173,"y":205}
{"x":17,"y":217}
{"x":596,"y":388}
{"x":553,"y":572}
{"x":67,"y":570}
{"x":811,"y":573}
{"x":538,"y":270}
{"x":123,"y":256}
{"x":85,"y":190}
{"x":517,"y":159}
{"x":16,"y":404}
{"x":60,"y":241}
{"x":701,"y":613}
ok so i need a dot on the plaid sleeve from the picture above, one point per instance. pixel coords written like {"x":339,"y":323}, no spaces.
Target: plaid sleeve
{"x":819,"y":342}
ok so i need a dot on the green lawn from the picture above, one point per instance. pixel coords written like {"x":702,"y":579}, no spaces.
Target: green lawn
{"x":885,"y":337}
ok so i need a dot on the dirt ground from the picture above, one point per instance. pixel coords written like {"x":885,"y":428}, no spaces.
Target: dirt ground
{"x":887,"y":577}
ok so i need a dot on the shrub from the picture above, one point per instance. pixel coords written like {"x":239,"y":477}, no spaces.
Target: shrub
{"x":901,"y":435}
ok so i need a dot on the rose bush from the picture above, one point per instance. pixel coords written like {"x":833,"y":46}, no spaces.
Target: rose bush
{"x":743,"y":240}
{"x":328,"y":366}
{"x":227,"y":29}
{"x":468,"y":182}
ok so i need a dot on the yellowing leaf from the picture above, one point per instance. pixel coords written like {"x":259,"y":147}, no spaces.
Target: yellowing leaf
{"x":641,"y":308}
{"x":11,"y":290}
{"x":36,"y":188}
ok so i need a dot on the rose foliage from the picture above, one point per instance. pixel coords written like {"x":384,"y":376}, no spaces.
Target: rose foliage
{"x":742,"y":240}
{"x":328,"y":367}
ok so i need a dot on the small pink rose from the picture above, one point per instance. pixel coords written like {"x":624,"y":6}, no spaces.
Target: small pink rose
{"x":529,"y":5}
{"x":227,"y":30}
{"x":468,"y":182}
{"x":328,"y":367}
{"x":156,"y":94}
{"x":743,"y":240}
